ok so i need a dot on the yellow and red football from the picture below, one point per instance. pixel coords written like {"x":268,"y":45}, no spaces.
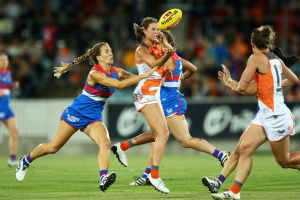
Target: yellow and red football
{"x":170,"y":19}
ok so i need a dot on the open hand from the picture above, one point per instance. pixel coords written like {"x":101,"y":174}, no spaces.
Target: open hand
{"x":224,"y":76}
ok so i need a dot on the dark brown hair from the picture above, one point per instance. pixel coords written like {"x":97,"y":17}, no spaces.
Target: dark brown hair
{"x":91,"y":54}
{"x":138,"y":30}
{"x":263,"y":37}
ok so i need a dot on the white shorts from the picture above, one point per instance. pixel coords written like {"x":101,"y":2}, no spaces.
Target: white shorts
{"x":276,"y":126}
{"x":141,"y":101}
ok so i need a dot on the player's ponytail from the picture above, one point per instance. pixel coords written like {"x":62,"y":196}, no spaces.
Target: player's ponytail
{"x":90,"y":54}
{"x":138,"y":30}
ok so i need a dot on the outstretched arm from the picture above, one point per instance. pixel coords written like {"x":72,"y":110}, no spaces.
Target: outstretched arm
{"x":100,"y":78}
{"x":123,"y":74}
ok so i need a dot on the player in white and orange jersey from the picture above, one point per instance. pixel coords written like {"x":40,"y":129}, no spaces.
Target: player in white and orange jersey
{"x":174,"y":107}
{"x":273,"y":121}
{"x":146,"y":94}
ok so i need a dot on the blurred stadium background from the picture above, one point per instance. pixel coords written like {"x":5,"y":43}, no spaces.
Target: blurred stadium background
{"x":38,"y":34}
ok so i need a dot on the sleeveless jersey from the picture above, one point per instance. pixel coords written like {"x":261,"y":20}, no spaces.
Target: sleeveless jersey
{"x":100,"y":92}
{"x":150,"y":86}
{"x":5,"y":87}
{"x":269,"y":88}
{"x":88,"y":107}
{"x":5,"y":81}
{"x":92,"y":99}
{"x":174,"y":81}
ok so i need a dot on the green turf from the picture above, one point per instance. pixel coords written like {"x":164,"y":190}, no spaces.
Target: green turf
{"x":76,"y":177}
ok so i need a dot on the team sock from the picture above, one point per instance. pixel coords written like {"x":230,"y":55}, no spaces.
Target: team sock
{"x":217,"y":153}
{"x":126,"y":145}
{"x":221,"y":178}
{"x":155,"y":171}
{"x":27,"y":160}
{"x":103,"y":173}
{"x":13,"y":157}
{"x":146,"y":172}
{"x":236,"y":187}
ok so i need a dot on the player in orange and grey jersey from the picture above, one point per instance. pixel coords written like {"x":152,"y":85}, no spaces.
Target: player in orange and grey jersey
{"x":273,"y":121}
{"x":146,"y":94}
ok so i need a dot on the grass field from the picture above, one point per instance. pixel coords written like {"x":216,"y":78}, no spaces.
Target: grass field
{"x":76,"y":177}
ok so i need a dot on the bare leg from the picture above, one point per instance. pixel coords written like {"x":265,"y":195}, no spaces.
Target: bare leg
{"x":234,"y":157}
{"x":143,"y":138}
{"x":63,"y":134}
{"x":283,"y":157}
{"x":178,"y":126}
{"x":155,"y":117}
{"x":99,"y":134}
{"x":253,"y":137}
{"x":13,"y":142}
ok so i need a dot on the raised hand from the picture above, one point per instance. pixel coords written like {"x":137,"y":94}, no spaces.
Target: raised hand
{"x":168,"y":73}
{"x":224,"y":76}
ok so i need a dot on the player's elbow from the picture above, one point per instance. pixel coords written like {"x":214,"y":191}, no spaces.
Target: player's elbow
{"x":296,"y":80}
{"x":194,"y":70}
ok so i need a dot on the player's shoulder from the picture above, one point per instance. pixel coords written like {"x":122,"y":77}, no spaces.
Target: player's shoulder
{"x":141,"y":48}
{"x":258,"y":57}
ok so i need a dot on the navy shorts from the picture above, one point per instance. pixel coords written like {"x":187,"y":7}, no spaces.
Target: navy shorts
{"x":78,"y":120}
{"x":173,"y":104}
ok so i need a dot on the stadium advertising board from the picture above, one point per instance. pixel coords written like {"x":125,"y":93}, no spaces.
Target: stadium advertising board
{"x":217,"y":120}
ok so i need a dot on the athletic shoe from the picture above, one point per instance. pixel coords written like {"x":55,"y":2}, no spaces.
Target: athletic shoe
{"x":21,"y":170}
{"x":224,"y":158}
{"x":226,"y":195}
{"x":12,"y":163}
{"x":107,"y":180}
{"x":140,"y":181}
{"x":120,"y":154}
{"x":158,"y":184}
{"x":212,"y":184}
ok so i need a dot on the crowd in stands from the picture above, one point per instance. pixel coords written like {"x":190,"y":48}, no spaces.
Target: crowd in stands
{"x":39,"y":34}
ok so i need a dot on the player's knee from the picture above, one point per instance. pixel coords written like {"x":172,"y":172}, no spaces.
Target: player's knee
{"x":244,"y":150}
{"x":15,"y":136}
{"x":53,"y":149}
{"x":105,"y":143}
{"x":161,"y":132}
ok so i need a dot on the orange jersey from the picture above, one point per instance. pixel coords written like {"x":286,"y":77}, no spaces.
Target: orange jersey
{"x":269,"y":88}
{"x":151,"y":85}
